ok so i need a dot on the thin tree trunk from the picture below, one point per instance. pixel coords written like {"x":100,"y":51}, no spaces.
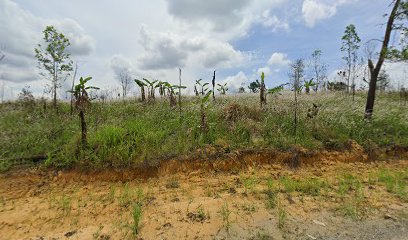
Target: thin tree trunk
{"x":83,"y":128}
{"x":376,"y":70}
{"x":179,"y":92}
{"x":72,"y":88}
{"x":213,"y":84}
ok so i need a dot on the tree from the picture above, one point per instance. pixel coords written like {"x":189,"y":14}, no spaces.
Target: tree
{"x":72,"y":87}
{"x":124,"y":80}
{"x":82,"y":101}
{"x":350,"y":47}
{"x":213,"y":86}
{"x":2,"y":55}
{"x":396,"y":20}
{"x":142,"y":86}
{"x":262,"y":90}
{"x":296,"y":77}
{"x":54,"y":59}
{"x":254,"y":86}
{"x":319,"y":69}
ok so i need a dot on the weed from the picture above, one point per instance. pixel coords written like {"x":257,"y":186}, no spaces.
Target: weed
{"x":173,"y":183}
{"x":137,"y":217}
{"x":225,"y":213}
{"x":395,"y":182}
{"x":249,"y":184}
{"x":281,"y":215}
{"x":309,"y":186}
{"x":271,"y":195}
{"x":65,"y":205}
{"x":351,"y":194}
{"x":249,"y":208}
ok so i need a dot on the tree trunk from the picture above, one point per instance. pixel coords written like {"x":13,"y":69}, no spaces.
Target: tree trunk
{"x":72,"y":88}
{"x":376,"y":70}
{"x":179,"y":93}
{"x":83,"y":128}
{"x":213,"y":84}
{"x":143,"y":93}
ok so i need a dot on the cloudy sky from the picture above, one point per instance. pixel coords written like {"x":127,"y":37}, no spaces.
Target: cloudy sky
{"x":239,"y":38}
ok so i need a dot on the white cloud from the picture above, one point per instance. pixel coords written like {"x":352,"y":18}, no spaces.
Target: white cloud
{"x":317,"y":10}
{"x":236,"y":81}
{"x":170,"y":50}
{"x":266,"y":70}
{"x":21,"y":31}
{"x":278,"y":59}
{"x":273,"y":22}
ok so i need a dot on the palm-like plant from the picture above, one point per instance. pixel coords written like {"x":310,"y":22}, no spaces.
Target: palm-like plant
{"x":262,"y":92}
{"x":151,"y":88}
{"x":309,"y":84}
{"x":142,"y":86}
{"x":82,"y":100}
{"x":277,"y":90}
{"x":223,"y":89}
{"x":171,"y":89}
{"x":203,"y":86}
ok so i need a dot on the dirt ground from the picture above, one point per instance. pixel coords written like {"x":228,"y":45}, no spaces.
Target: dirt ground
{"x":205,"y":203}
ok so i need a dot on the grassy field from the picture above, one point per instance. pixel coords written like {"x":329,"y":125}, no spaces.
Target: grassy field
{"x":128,"y":133}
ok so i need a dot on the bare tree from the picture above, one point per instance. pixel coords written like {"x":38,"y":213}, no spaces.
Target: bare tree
{"x":296,"y":76}
{"x":124,"y":80}
{"x":319,"y":69}
{"x":396,"y":20}
{"x":72,"y":87}
{"x":2,"y":56}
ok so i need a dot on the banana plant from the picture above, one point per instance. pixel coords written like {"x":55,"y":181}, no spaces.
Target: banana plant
{"x":223,"y":89}
{"x":171,"y":89}
{"x":203,"y":112}
{"x":309,"y":84}
{"x":262,"y":92}
{"x":203,"y":87}
{"x":82,"y":100}
{"x":277,"y":90}
{"x":151,"y":88}
{"x":142,"y":86}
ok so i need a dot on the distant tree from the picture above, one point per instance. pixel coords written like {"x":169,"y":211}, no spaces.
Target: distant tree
{"x":124,"y":80}
{"x":396,"y":23}
{"x":350,"y":46}
{"x":241,"y":90}
{"x":254,"y":86}
{"x":319,"y":69}
{"x":54,"y":59}
{"x":26,"y":96}
{"x":296,"y":76}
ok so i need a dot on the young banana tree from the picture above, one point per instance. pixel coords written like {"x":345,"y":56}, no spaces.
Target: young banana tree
{"x":151,"y":88}
{"x":82,"y":100}
{"x":172,"y":90}
{"x":223,"y":89}
{"x":203,"y":87}
{"x":203,"y":109}
{"x":309,"y":84}
{"x":142,"y":86}
{"x":276,"y":90}
{"x":262,"y":92}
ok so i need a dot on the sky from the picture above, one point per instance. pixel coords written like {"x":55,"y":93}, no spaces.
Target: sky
{"x":152,"y":39}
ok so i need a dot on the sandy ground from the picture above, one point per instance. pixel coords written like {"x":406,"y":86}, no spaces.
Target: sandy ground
{"x":200,"y":204}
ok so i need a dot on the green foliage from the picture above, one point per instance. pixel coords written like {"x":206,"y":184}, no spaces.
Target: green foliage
{"x":137,"y":217}
{"x":134,"y":133}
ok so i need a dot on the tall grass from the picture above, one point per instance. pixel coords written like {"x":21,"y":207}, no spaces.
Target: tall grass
{"x":125,"y":134}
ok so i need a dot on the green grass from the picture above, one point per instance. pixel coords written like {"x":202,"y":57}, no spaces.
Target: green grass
{"x":395,"y":182}
{"x":122,"y":134}
{"x":309,"y":186}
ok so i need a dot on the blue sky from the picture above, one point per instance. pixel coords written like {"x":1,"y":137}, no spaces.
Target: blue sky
{"x":153,"y":38}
